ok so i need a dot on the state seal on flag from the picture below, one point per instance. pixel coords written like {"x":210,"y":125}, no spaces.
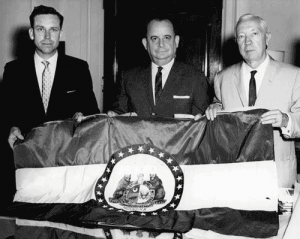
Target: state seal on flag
{"x":140,"y":179}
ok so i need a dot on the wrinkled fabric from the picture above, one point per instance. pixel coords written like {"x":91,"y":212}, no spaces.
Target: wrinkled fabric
{"x":48,"y":230}
{"x":230,"y":138}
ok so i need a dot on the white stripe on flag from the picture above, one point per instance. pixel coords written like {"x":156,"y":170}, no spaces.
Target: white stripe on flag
{"x":244,"y":186}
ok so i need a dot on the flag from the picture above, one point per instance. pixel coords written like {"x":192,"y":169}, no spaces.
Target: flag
{"x":152,"y":173}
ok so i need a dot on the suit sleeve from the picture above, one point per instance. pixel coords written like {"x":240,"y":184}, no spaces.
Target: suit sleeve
{"x":202,"y":95}
{"x":88,"y":103}
{"x":217,"y":90}
{"x":9,"y":100}
{"x":295,"y":108}
{"x":120,"y":105}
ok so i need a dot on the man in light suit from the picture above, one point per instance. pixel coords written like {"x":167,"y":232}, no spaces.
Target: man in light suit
{"x":277,"y":89}
{"x":71,"y":89}
{"x":181,"y":90}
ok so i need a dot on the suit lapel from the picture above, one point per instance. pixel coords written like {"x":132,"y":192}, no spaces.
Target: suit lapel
{"x":58,"y":84}
{"x":238,"y":82}
{"x":269,"y":76}
{"x":33,"y":89}
{"x":172,"y":81}
{"x":147,"y":82}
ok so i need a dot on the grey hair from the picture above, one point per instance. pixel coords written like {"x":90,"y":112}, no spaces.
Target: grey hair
{"x":248,"y":16}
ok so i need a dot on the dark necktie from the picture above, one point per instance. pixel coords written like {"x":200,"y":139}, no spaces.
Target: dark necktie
{"x":252,"y":89}
{"x":158,"y":83}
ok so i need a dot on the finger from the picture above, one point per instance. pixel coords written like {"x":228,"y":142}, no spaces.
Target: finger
{"x":20,"y":137}
{"x":13,"y":138}
{"x":80,"y":118}
{"x":273,"y":121}
{"x":11,"y":144}
{"x":206,"y":114}
{"x":111,"y":113}
{"x":209,"y":114}
{"x":215,"y":113}
{"x":212,"y":115}
{"x":197,"y":117}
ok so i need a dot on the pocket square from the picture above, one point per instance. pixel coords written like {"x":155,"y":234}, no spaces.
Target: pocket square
{"x":181,"y":96}
{"x":71,"y":91}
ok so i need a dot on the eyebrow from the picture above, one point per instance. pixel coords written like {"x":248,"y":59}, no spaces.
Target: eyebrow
{"x":167,"y":35}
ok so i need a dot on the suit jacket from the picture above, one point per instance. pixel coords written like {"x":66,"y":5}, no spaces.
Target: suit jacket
{"x":280,"y":89}
{"x":185,"y":92}
{"x":72,"y":91}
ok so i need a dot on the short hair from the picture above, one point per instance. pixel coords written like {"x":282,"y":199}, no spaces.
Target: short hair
{"x":40,"y":10}
{"x":248,"y":16}
{"x":161,"y":19}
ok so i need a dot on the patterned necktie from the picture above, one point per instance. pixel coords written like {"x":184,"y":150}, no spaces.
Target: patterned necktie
{"x":46,"y":85}
{"x":158,"y":83}
{"x":252,"y":89}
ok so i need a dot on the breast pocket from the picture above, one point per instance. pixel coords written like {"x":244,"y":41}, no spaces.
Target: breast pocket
{"x":182,"y":104}
{"x":71,"y":101}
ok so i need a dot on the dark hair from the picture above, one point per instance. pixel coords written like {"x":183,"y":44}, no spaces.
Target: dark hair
{"x":39,"y":10}
{"x":159,"y":18}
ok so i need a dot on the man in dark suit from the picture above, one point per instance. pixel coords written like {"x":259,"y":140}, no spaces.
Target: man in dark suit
{"x":166,"y":87}
{"x":30,"y":102}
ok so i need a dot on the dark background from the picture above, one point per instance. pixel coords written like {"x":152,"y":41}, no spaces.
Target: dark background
{"x":198,"y":23}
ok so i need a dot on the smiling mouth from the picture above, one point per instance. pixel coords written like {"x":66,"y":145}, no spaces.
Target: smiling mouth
{"x":162,"y":51}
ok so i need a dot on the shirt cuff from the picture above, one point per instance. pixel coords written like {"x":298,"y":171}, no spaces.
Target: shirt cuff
{"x":286,"y":131}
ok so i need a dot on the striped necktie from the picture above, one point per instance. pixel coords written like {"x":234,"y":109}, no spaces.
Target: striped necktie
{"x":158,"y":83}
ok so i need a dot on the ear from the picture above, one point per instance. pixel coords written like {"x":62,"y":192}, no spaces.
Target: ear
{"x":144,"y":41}
{"x":177,"y":40}
{"x":31,"y":34}
{"x":61,"y":34}
{"x":268,"y":37}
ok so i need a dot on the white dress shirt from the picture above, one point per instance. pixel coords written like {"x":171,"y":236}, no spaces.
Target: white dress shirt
{"x":39,"y":68}
{"x":165,"y":73}
{"x":246,"y":75}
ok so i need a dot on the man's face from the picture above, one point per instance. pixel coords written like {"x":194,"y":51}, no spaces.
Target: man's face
{"x":252,"y":42}
{"x":161,"y":42}
{"x":46,"y":34}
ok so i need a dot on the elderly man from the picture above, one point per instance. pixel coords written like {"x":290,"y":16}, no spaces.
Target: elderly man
{"x":262,"y":82}
{"x":166,"y":87}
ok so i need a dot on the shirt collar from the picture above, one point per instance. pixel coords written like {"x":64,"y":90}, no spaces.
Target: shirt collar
{"x":52,"y":60}
{"x":166,"y":67}
{"x":261,"y":68}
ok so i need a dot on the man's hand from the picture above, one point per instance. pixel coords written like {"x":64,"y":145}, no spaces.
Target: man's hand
{"x":78,"y":116}
{"x":112,"y":113}
{"x":212,"y":110}
{"x":276,"y":118}
{"x":15,"y":133}
{"x":129,"y":114}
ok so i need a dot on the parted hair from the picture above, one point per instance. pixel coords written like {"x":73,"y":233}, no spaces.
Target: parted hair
{"x":40,"y":10}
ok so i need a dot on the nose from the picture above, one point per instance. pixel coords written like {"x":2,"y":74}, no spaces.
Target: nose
{"x":47,"y":35}
{"x":248,"y":40}
{"x":161,"y":42}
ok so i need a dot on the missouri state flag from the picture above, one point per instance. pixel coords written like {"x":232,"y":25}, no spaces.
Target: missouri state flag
{"x":173,"y":175}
